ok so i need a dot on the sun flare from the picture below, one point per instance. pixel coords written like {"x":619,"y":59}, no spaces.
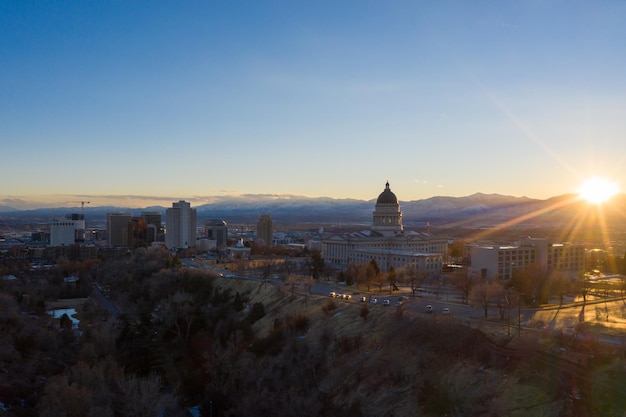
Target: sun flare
{"x":598,"y":190}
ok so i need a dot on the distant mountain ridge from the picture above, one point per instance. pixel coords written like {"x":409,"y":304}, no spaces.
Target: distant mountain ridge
{"x":477,"y":209}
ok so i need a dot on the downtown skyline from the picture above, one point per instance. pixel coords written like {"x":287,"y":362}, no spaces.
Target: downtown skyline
{"x":144,"y":103}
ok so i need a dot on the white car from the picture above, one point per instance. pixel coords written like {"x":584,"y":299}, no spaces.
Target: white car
{"x":363,"y":299}
{"x":446,"y":310}
{"x":373,"y":301}
{"x":386,"y":302}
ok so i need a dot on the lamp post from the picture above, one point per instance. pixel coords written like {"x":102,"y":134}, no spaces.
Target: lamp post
{"x":519,"y":315}
{"x":508,"y":314}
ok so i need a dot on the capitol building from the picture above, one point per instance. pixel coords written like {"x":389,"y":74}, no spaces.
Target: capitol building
{"x":387,"y":242}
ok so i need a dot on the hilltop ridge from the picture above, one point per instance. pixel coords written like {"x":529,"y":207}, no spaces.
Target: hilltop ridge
{"x":479,"y":210}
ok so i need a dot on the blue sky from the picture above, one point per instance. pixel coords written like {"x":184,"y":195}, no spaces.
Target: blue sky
{"x":143,"y":102}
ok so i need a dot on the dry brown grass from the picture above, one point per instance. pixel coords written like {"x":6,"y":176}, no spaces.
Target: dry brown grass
{"x":386,"y":365}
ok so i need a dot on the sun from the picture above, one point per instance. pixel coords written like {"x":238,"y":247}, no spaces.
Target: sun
{"x":598,"y":190}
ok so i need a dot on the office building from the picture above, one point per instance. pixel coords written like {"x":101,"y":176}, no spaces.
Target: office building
{"x":265,"y":230}
{"x":62,"y":233}
{"x":180,"y":226}
{"x":68,"y":232}
{"x":217,"y":230}
{"x":119,"y":229}
{"x":154,"y":227}
{"x":501,"y":261}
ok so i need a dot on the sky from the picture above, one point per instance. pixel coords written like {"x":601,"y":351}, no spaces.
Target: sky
{"x":137,"y":103}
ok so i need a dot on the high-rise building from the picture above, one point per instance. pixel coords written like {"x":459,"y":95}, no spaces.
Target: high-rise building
{"x":138,"y":233}
{"x":154,"y":227}
{"x":119,"y":229}
{"x":68,"y":232}
{"x":180,"y":226}
{"x":217,"y":230}
{"x":79,"y":225}
{"x":265,"y":230}
{"x":62,"y":233}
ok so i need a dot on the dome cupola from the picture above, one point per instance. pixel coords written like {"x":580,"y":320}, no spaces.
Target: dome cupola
{"x":387,"y":197}
{"x":387,"y":214}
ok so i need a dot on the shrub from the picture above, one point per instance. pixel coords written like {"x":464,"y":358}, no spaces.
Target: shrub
{"x":364,"y":311}
{"x":257,"y":312}
{"x":329,"y":307}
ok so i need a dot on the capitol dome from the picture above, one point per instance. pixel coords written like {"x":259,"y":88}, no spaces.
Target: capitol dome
{"x":387,"y":214}
{"x":387,"y":197}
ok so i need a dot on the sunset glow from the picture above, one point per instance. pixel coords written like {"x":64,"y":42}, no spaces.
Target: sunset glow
{"x":598,"y":190}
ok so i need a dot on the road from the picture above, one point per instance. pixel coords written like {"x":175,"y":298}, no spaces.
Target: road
{"x":610,"y":314}
{"x":105,"y":302}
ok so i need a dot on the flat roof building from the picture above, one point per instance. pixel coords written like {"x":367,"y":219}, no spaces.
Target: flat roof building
{"x":501,"y":261}
{"x":180,"y":224}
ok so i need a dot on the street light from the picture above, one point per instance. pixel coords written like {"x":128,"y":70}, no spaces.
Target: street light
{"x":519,"y":315}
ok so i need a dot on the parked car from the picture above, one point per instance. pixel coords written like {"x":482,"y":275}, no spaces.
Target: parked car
{"x":373,"y":301}
{"x":446,"y":310}
{"x":347,"y":296}
{"x":429,"y":308}
{"x":332,"y":294}
{"x":386,"y":302}
{"x":363,"y":299}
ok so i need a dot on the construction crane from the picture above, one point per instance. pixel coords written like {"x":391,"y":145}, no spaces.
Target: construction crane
{"x":82,"y":207}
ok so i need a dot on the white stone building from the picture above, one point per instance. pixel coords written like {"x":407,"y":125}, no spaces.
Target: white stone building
{"x":387,"y":242}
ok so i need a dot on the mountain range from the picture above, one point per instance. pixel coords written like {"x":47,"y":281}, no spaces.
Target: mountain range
{"x":476,"y":211}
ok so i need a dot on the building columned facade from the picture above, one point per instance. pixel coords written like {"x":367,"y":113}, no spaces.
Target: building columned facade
{"x":180,"y":226}
{"x":501,"y":261}
{"x":387,"y":242}
{"x":387,"y":214}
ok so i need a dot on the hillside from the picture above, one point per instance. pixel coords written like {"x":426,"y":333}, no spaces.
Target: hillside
{"x":330,"y":361}
{"x":476,"y":211}
{"x":181,"y":337}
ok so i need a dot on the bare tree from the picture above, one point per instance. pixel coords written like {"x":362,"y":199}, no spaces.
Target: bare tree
{"x":178,"y":314}
{"x":485,"y":293}
{"x":139,"y":397}
{"x":559,"y":285}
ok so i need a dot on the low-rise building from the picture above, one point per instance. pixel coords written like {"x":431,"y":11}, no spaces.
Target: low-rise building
{"x":501,"y":261}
